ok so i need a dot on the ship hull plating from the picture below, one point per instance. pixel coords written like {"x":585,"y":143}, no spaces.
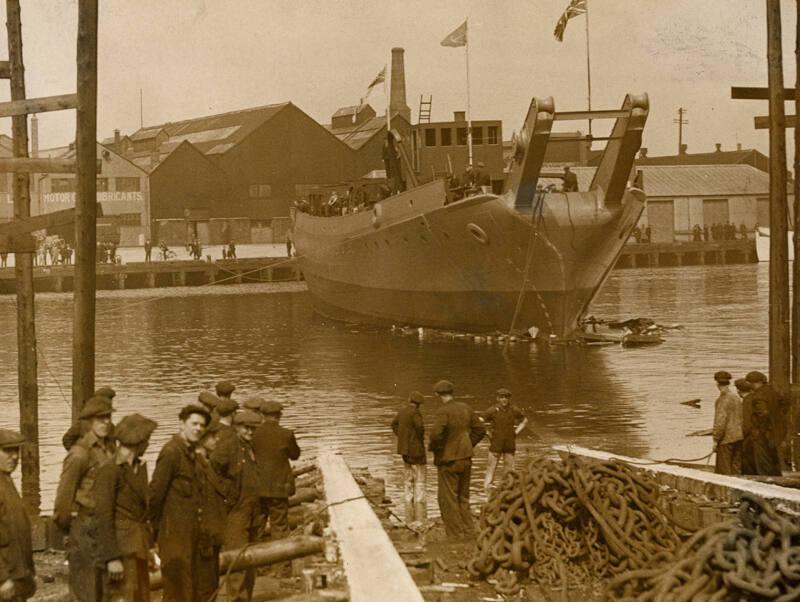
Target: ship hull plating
{"x":477,"y":265}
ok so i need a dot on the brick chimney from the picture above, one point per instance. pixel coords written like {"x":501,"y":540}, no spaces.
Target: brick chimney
{"x":738,"y":146}
{"x":34,"y":136}
{"x":719,"y":147}
{"x":117,"y":141}
{"x":397,"y":91}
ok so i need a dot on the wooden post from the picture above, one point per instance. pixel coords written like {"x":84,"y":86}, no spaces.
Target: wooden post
{"x":23,"y":270}
{"x":795,"y":422}
{"x":778,"y":264}
{"x":85,"y":209}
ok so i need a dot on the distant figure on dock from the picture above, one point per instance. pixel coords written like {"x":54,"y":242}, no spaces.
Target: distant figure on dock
{"x":570,"y":180}
{"x":648,"y":234}
{"x":288,"y":243}
{"x":74,"y":508}
{"x":407,"y":425}
{"x":275,"y":447}
{"x":235,"y":462}
{"x":727,"y":430}
{"x":697,"y":233}
{"x":123,"y":533}
{"x":164,"y":249}
{"x":3,"y":259}
{"x":764,"y":427}
{"x":508,"y":421}
{"x":231,"y":250}
{"x":176,"y":503}
{"x":16,"y":560}
{"x":705,"y":234}
{"x":637,"y":234}
{"x":148,"y":249}
{"x":742,"y":231}
{"x":456,"y":430}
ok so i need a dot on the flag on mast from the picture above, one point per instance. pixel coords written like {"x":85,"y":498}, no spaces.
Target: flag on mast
{"x":456,"y":38}
{"x":379,"y":79}
{"x":575,"y":9}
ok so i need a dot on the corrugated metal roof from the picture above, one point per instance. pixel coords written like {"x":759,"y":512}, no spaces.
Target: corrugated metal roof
{"x":356,"y":136}
{"x":672,"y":181}
{"x":207,"y":133}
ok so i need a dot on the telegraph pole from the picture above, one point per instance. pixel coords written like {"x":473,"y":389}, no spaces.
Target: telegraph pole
{"x":681,"y":122}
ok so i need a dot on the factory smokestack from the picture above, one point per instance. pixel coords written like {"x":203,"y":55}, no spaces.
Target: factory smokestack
{"x":397,"y":92}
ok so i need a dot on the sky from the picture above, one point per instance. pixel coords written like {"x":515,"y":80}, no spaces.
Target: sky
{"x":192,"y":58}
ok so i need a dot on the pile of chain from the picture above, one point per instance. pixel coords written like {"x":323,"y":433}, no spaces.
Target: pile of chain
{"x":754,"y":558}
{"x":557,"y":521}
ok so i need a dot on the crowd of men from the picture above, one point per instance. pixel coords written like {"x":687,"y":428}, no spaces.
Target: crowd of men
{"x":719,"y":232}
{"x":216,"y":483}
{"x":749,"y":429}
{"x":456,"y":431}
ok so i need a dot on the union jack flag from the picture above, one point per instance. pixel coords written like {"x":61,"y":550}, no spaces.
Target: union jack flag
{"x":575,"y":8}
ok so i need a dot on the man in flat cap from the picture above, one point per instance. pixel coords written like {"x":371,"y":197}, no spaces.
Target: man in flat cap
{"x":17,"y":573}
{"x":212,"y":528}
{"x":77,"y":430}
{"x":456,"y":431}
{"x":123,"y":533}
{"x":74,"y":506}
{"x":225,"y":389}
{"x":254,"y":404}
{"x":508,"y":421}
{"x":235,"y":462}
{"x":209,"y":401}
{"x":275,"y":446}
{"x":407,"y":425}
{"x":727,"y":431}
{"x":764,"y":426}
{"x":176,"y":506}
{"x":226,"y":411}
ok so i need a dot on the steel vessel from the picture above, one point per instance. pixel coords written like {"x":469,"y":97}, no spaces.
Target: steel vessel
{"x":528,"y":260}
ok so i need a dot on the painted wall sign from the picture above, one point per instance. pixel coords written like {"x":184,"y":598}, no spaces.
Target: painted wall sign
{"x":69,"y":197}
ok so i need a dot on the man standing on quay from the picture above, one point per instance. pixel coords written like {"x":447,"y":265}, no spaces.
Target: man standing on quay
{"x":410,"y":431}
{"x":275,"y":446}
{"x":235,"y":462}
{"x":75,"y":502}
{"x":456,"y":431}
{"x":123,"y":533}
{"x":176,"y":502}
{"x":508,"y":421}
{"x":727,"y":430}
{"x":765,"y":425}
{"x":17,"y":572}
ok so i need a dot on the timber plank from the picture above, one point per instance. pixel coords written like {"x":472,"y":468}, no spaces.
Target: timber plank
{"x":374,"y":569}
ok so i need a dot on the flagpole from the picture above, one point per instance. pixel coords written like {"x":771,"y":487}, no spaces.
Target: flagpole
{"x":388,"y":101}
{"x":588,"y":69}
{"x":469,"y":116}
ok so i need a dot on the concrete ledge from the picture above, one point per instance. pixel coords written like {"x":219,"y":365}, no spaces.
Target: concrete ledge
{"x":697,"y":482}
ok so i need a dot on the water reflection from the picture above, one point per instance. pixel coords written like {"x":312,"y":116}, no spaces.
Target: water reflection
{"x":344,"y":383}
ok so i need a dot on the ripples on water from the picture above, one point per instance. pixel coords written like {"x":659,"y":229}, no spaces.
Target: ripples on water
{"x":158,"y":348}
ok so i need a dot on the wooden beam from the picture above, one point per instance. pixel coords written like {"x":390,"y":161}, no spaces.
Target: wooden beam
{"x":762,"y":122}
{"x":17,"y":243}
{"x":374,"y":569}
{"x":578,"y":115}
{"x":41,"y":222}
{"x":745,"y":93}
{"x":31,"y":165}
{"x":26,"y":106}
{"x":5,"y":70}
{"x":27,"y":362}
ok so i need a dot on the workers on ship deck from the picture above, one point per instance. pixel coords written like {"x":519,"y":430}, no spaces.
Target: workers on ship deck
{"x":392,"y":164}
{"x":570,"y":180}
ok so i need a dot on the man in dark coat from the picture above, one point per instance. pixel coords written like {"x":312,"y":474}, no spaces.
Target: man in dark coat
{"x":226,"y":411}
{"x":123,"y":534}
{"x":456,"y":431}
{"x":235,"y":462}
{"x":212,"y":529}
{"x":74,"y":507}
{"x":764,"y":425}
{"x":275,"y":446}
{"x":17,"y":573}
{"x":176,"y":503}
{"x":77,"y":430}
{"x":570,"y":180}
{"x":410,"y":431}
{"x":508,"y":421}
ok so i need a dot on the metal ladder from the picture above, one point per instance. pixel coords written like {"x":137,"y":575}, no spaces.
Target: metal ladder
{"x":425,"y":109}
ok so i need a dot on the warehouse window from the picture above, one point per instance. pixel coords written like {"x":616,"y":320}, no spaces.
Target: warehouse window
{"x":102,"y":184}
{"x":461,"y":136}
{"x":127,"y":184}
{"x":430,"y":137}
{"x":4,"y":183}
{"x":260,"y":191}
{"x":447,"y":137}
{"x":477,"y":135}
{"x":492,"y":134}
{"x":62,"y":185}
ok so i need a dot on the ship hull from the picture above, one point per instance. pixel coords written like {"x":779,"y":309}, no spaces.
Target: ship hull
{"x":478,"y":265}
